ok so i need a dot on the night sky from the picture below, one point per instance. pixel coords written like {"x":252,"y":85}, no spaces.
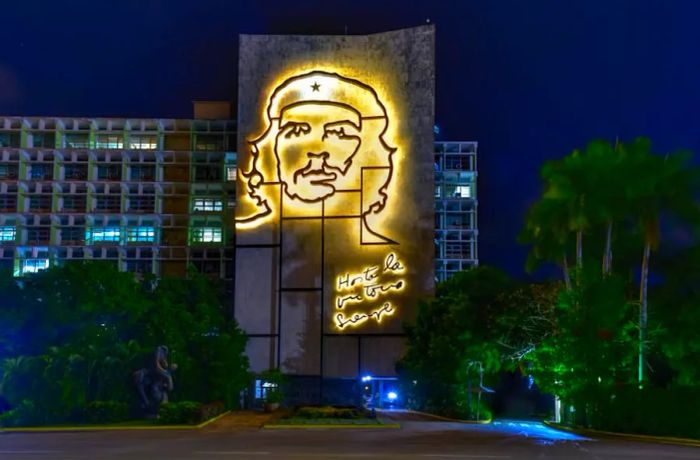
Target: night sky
{"x":528,"y":80}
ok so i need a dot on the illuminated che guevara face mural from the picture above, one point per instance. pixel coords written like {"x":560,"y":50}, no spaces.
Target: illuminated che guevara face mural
{"x":324,"y":143}
{"x":325,"y":137}
{"x":334,"y":198}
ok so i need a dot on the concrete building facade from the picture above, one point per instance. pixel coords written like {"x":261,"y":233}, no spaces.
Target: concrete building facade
{"x":154,"y":196}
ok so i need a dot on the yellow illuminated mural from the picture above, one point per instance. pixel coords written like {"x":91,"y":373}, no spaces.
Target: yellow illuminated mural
{"x":324,"y":146}
{"x":366,"y":288}
{"x":323,"y":154}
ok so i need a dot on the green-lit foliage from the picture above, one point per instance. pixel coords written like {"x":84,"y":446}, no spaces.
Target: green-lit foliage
{"x":592,"y":341}
{"x":74,"y":334}
{"x":451,"y":331}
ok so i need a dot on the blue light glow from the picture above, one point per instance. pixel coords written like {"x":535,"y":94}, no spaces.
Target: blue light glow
{"x":392,"y":396}
{"x":367,"y":378}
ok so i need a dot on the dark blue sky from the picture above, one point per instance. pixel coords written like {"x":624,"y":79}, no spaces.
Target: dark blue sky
{"x":529,"y":80}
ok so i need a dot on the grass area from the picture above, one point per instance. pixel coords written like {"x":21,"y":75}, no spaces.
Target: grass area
{"x":326,"y":421}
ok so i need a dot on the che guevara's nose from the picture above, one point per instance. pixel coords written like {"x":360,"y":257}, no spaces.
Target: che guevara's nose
{"x":318,"y":159}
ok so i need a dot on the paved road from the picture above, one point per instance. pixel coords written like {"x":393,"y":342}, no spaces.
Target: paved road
{"x":419,"y":438}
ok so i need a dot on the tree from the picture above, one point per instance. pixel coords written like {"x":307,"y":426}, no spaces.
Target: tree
{"x":455,"y":329}
{"x":79,"y":331}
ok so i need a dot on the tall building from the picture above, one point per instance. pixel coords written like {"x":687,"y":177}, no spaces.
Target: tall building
{"x":456,"y":231}
{"x":152,"y":195}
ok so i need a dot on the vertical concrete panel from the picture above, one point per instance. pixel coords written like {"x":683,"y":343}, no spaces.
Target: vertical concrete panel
{"x":379,"y":354}
{"x":300,"y":339}
{"x":256,"y":290}
{"x":340,"y":359}
{"x":366,"y":192}
{"x":261,"y":351}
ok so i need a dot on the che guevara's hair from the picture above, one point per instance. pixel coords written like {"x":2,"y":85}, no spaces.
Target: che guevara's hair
{"x":262,"y":149}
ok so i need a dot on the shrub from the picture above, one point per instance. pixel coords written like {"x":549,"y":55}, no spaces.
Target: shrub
{"x":189,"y":412}
{"x":25,"y":414}
{"x":211,"y":410}
{"x":653,"y":411}
{"x":184,"y":412}
{"x":106,"y":412}
{"x":311,"y":412}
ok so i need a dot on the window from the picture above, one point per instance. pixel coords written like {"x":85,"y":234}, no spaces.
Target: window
{"x":139,"y":266}
{"x":9,"y":139}
{"x":206,"y":235}
{"x":207,"y":204}
{"x":103,"y":235}
{"x":72,"y":235}
{"x":34,"y":265}
{"x":38,"y":234}
{"x":207,"y":173}
{"x":209,"y":142}
{"x":76,"y":171}
{"x":77,"y":140}
{"x":109,"y":141}
{"x":143,"y":142}
{"x":44,"y":140}
{"x":108,"y":203}
{"x":8,"y":233}
{"x":141,"y":234}
{"x":8,"y":203}
{"x":457,"y":221}
{"x":231,"y":173}
{"x":463,"y":191}
{"x":8,"y":171}
{"x":74,"y":203}
{"x":109,"y":172}
{"x":143,"y":173}
{"x":457,"y":251}
{"x":40,"y":203}
{"x":262,"y":388}
{"x":41,"y":171}
{"x":143,"y":203}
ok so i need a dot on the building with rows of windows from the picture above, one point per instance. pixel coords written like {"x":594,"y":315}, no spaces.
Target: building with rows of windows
{"x":151,"y":195}
{"x":456,"y":232}
{"x":156,"y":195}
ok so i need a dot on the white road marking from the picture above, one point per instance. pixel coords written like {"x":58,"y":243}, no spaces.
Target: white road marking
{"x":231,"y":452}
{"x":464,"y":456}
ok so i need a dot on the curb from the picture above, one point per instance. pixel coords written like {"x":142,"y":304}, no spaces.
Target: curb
{"x":448,"y":419}
{"x":75,"y":429}
{"x":626,"y":436}
{"x":335,"y":426}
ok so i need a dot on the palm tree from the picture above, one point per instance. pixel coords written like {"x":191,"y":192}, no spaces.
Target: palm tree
{"x":663,"y":185}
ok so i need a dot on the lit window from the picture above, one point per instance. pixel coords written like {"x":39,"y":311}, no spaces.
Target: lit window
{"x":231,"y":173}
{"x":148,"y":142}
{"x":141,"y":234}
{"x":7,"y":233}
{"x":207,"y":204}
{"x":463,"y":191}
{"x":77,"y":141}
{"x":34,"y":265}
{"x":102,"y":235}
{"x":209,"y":142}
{"x":206,"y":235}
{"x":109,"y":141}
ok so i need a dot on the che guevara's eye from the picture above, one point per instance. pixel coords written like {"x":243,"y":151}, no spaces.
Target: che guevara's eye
{"x":339,"y":132}
{"x":296,"y":129}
